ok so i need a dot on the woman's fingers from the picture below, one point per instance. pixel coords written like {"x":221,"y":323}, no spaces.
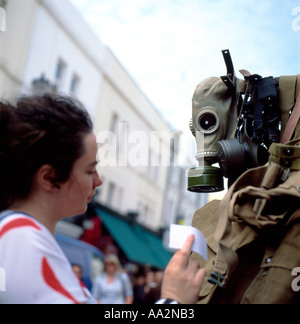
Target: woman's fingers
{"x":183,"y":280}
{"x":181,"y":257}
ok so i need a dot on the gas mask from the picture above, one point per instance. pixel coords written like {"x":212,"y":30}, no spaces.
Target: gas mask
{"x":239,"y":120}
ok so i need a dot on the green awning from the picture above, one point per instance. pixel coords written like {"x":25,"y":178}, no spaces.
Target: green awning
{"x":138,"y":244}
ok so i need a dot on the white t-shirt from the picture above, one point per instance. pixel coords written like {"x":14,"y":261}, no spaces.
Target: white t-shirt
{"x":35,"y":269}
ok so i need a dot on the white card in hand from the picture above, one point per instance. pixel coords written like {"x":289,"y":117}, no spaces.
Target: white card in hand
{"x":179,"y":235}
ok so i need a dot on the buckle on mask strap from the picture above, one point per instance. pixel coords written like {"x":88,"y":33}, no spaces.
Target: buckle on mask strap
{"x":216,"y":278}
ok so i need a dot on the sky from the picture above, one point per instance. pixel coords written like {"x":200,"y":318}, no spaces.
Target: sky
{"x":170,"y":46}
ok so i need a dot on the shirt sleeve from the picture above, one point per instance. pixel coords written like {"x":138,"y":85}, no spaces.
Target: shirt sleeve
{"x":37,"y":271}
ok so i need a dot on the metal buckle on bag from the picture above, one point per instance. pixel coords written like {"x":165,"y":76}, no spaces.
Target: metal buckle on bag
{"x":216,"y":278}
{"x":285,"y":175}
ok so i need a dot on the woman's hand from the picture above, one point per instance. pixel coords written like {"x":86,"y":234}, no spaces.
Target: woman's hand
{"x":183,"y":280}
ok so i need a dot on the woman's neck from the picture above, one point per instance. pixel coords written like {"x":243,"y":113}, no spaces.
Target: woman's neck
{"x":38,"y":212}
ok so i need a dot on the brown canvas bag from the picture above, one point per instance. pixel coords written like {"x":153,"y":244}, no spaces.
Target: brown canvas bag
{"x":260,"y":215}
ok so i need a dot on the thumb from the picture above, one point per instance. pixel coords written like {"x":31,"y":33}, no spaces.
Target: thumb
{"x":199,"y":278}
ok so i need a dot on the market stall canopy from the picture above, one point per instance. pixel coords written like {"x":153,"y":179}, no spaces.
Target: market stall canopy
{"x":139,"y":244}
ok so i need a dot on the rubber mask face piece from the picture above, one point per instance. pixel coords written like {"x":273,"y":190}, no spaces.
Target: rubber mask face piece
{"x":215,"y":117}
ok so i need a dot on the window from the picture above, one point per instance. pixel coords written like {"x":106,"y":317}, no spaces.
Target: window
{"x":74,"y":84}
{"x":111,"y":194}
{"x":123,"y":138}
{"x":114,"y":124}
{"x":2,"y":19}
{"x":114,"y":128}
{"x":120,"y":199}
{"x":3,"y":3}
{"x":61,"y":67}
{"x":146,"y":213}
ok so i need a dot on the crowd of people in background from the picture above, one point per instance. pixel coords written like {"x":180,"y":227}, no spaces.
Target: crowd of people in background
{"x":118,"y":286}
{"x":147,"y":285}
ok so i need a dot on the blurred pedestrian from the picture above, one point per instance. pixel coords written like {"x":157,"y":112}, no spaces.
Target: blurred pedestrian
{"x":77,"y":269}
{"x":47,"y":172}
{"x":153,"y":286}
{"x":113,"y":287}
{"x":152,"y":289}
{"x":159,"y":275}
{"x":139,"y":289}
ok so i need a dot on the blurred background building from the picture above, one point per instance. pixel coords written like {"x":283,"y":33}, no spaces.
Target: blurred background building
{"x":48,"y":47}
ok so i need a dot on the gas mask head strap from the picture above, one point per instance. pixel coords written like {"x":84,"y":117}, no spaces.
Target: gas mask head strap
{"x":230,"y":78}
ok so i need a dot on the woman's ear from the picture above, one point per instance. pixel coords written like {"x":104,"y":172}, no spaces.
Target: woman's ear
{"x":45,"y":178}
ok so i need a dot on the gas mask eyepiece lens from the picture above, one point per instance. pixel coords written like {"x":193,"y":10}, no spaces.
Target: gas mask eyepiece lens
{"x":208,"y":121}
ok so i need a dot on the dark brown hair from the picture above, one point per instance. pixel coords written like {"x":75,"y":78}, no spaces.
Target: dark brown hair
{"x":36,"y":131}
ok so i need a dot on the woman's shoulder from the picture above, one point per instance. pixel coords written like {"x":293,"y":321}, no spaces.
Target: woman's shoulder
{"x":21,"y":230}
{"x":11,"y":222}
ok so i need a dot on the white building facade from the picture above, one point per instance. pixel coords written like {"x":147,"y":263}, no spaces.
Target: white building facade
{"x":48,"y":39}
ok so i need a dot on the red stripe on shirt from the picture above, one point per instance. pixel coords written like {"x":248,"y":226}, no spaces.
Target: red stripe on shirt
{"x":83,"y":287}
{"x":52,"y":281}
{"x":17,"y":223}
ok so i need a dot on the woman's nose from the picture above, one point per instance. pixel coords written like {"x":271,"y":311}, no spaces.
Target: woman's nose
{"x":97,"y":181}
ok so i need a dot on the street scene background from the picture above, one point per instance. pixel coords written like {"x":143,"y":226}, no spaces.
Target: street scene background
{"x":135,"y":66}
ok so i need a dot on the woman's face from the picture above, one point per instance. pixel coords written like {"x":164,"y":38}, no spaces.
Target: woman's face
{"x":110,"y":268}
{"x":80,"y":188}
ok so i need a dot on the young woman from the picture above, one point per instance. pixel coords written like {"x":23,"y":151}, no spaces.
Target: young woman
{"x":47,"y":173}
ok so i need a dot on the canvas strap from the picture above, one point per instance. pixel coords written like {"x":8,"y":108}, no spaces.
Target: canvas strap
{"x":288,"y":86}
{"x":292,"y":123}
{"x":227,"y":258}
